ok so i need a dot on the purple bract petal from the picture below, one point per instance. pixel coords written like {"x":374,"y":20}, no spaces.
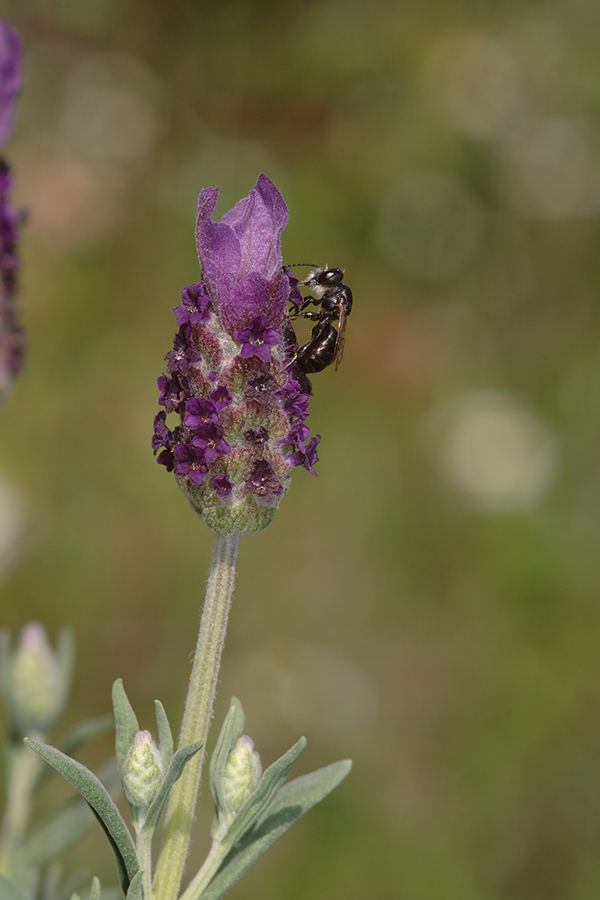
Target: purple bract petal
{"x":241,"y":255}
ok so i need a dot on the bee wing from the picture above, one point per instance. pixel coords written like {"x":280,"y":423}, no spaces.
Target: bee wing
{"x":341,"y":338}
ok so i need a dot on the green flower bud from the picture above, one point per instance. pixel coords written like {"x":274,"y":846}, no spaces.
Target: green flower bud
{"x":36,"y":688}
{"x":241,"y":776}
{"x":143,"y":771}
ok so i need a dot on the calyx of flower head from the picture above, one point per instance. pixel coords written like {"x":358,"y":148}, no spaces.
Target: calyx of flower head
{"x":242,"y":403}
{"x":240,"y":777}
{"x":142,"y":775}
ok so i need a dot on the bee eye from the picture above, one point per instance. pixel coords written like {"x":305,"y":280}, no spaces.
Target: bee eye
{"x":332,"y":276}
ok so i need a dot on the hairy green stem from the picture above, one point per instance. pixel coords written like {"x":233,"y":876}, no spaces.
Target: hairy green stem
{"x":144,"y":852}
{"x":197,"y":715}
{"x":23,"y":770}
{"x":212,"y":862}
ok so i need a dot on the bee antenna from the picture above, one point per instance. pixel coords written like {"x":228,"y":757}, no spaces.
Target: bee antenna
{"x":295,"y":265}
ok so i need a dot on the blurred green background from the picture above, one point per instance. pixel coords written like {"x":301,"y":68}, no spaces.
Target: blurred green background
{"x":430,"y":604}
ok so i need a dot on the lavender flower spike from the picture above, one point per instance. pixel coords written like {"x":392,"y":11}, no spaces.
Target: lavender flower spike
{"x":11,"y":335}
{"x":242,"y":403}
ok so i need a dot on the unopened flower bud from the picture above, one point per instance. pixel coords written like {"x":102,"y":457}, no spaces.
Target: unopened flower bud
{"x":241,"y":776}
{"x":142,"y":776}
{"x":231,"y":376}
{"x":36,"y":692}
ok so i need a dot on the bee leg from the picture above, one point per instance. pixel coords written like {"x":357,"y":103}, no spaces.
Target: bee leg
{"x":315,"y":316}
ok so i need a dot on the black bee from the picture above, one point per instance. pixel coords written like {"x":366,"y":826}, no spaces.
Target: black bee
{"x":327,"y":338}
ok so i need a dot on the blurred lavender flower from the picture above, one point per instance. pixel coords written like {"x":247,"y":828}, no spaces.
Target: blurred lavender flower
{"x":242,"y":405}
{"x":11,"y":335}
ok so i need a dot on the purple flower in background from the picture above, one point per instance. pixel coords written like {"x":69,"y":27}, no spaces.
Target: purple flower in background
{"x":11,"y":335}
{"x":10,"y":77}
{"x":242,"y":404}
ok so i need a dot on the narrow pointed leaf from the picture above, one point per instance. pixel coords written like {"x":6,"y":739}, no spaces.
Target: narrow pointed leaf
{"x":10,"y":891}
{"x":178,"y":762}
{"x":165,"y":737}
{"x":231,"y":731}
{"x":95,"y":889}
{"x":65,"y":654}
{"x":256,"y":805}
{"x":68,"y":826}
{"x":75,"y":737}
{"x":126,"y":723}
{"x":291,"y":802}
{"x":91,"y":789}
{"x":136,"y":891}
{"x":5,"y":678}
{"x":85,"y":731}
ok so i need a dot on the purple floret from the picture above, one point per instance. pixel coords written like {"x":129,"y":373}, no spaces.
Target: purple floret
{"x":222,"y":485}
{"x":209,"y":439}
{"x":195,"y":305}
{"x":262,"y":480}
{"x":199,"y":411}
{"x":257,"y":339}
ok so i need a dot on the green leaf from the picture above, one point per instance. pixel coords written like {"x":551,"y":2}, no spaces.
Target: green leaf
{"x":126,"y":723}
{"x":91,"y":789}
{"x":95,"y":889}
{"x":258,"y":802}
{"x":85,"y":731}
{"x":232,"y":730}
{"x":67,"y":826}
{"x":75,"y":737}
{"x":10,"y":891}
{"x":5,"y":677}
{"x":136,"y":892}
{"x":291,"y":802}
{"x":175,"y":769}
{"x":65,"y":655}
{"x":165,"y":737}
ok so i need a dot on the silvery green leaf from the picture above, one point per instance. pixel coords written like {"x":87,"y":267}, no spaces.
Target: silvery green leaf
{"x":136,"y":891}
{"x":76,"y":736}
{"x":10,"y":891}
{"x":85,"y":731}
{"x":126,"y":723}
{"x":175,"y":769}
{"x":69,"y":825}
{"x":91,"y":789}
{"x":5,"y":677}
{"x":291,"y":802}
{"x":95,"y":889}
{"x":65,"y":655}
{"x":258,"y":802}
{"x":165,"y":737}
{"x":232,"y":730}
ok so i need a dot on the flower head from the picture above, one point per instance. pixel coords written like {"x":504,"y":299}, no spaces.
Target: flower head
{"x":35,"y":680}
{"x":242,"y":403}
{"x":11,"y":335}
{"x":10,"y":77}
